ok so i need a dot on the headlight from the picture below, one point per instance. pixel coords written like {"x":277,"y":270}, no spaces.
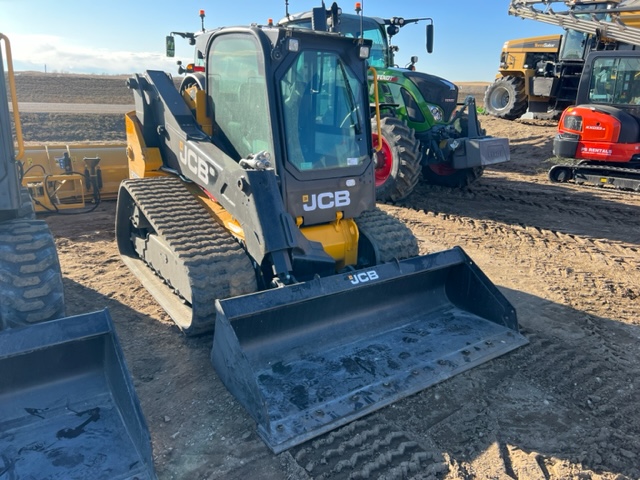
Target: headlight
{"x":436,"y":113}
{"x":293,"y":45}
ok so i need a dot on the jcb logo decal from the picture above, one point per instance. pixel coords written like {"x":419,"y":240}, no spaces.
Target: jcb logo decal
{"x":325,"y":200}
{"x":363,"y":277}
{"x":198,"y":165}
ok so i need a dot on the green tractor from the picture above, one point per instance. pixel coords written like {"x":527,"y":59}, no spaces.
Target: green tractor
{"x":423,"y":134}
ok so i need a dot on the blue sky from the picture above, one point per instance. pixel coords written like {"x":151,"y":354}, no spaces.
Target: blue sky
{"x":123,"y":37}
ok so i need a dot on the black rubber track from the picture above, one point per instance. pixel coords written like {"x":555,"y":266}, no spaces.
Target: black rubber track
{"x":389,"y":237}
{"x":216,"y":264}
{"x":592,"y":174}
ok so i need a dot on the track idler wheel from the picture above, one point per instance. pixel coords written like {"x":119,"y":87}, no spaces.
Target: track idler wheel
{"x":560,"y":174}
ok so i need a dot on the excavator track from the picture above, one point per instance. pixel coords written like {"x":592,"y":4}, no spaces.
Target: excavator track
{"x":598,"y":175}
{"x":163,"y":225}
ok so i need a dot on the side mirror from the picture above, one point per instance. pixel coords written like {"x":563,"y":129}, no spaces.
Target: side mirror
{"x":171,"y":46}
{"x":430,"y":38}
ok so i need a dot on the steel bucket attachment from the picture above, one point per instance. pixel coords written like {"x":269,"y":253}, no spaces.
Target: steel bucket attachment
{"x":311,"y":357}
{"x":68,"y":409}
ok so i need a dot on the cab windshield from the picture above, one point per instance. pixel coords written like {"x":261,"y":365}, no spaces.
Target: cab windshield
{"x":615,"y":81}
{"x":323,"y":113}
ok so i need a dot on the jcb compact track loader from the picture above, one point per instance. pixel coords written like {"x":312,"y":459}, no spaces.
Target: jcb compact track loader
{"x":251,"y":208}
{"x":67,"y":404}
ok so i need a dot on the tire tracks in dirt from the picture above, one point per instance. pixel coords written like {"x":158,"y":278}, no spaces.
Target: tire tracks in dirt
{"x":601,"y":269}
{"x":580,"y":365}
{"x":369,"y":448}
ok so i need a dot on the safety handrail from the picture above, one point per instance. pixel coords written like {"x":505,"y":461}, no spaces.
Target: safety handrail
{"x":14,"y":97}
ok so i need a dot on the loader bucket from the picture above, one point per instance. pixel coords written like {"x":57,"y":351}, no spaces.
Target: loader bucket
{"x":307,"y":358}
{"x":68,"y":409}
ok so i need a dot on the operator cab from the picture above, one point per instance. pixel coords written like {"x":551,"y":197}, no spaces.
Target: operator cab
{"x":307,"y":111}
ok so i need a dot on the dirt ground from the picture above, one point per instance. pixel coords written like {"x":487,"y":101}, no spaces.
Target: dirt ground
{"x":563,"y":407}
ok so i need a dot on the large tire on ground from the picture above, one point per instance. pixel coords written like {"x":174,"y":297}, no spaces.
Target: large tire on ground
{"x":398,"y":163}
{"x":31,"y":288}
{"x":383,"y":238}
{"x":506,"y":98}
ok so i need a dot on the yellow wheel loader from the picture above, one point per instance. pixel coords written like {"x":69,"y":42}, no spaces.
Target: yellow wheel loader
{"x":250,"y":212}
{"x":68,"y":408}
{"x":541,"y":74}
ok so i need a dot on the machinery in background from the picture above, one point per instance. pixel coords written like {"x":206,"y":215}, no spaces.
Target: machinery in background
{"x":73,"y":178}
{"x":69,"y":409}
{"x":541,"y":74}
{"x":601,"y":135}
{"x":251,"y":209}
{"x":422,"y":134}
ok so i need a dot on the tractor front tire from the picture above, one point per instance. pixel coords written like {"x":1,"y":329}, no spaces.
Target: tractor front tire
{"x":506,"y":98}
{"x":398,"y":162}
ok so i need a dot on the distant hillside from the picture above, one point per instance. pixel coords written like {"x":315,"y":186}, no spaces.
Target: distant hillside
{"x":72,"y":88}
{"x":69,"y":88}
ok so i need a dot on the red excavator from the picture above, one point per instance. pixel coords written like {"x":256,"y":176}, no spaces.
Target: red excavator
{"x":601,"y":135}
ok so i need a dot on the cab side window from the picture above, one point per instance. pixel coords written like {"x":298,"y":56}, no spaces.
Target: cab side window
{"x":238,"y":93}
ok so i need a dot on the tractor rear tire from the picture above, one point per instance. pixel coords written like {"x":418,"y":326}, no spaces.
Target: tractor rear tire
{"x":446,"y":176}
{"x":31,"y":289}
{"x":506,"y":98}
{"x":398,"y":163}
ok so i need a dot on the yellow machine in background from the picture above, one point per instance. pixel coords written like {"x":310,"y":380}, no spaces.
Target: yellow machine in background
{"x":526,"y":78}
{"x":71,"y":177}
{"x":541,"y":74}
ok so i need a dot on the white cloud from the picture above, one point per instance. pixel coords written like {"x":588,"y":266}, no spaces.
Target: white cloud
{"x":33,"y":52}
